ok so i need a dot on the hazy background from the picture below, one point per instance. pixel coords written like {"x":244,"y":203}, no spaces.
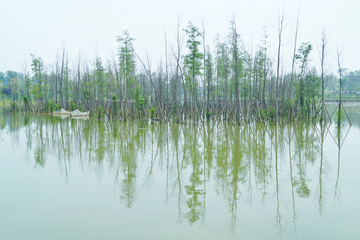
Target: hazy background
{"x":43,"y":27}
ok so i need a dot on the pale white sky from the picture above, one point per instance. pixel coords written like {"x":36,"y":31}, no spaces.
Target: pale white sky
{"x":42,"y":27}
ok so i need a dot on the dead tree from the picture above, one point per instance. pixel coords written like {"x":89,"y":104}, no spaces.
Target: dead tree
{"x":280,"y":29}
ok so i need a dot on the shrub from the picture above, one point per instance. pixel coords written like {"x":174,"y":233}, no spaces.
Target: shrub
{"x":208,"y":114}
{"x":262,"y":114}
{"x":26,"y":102}
{"x":100,"y":111}
{"x":114,"y":104}
{"x":72,"y":105}
{"x":152,"y":113}
{"x":272,"y":113}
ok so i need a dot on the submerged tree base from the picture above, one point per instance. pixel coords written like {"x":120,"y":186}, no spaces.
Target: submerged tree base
{"x":184,"y":111}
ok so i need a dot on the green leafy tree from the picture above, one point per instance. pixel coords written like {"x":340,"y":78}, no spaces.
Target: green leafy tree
{"x":99,"y":78}
{"x":192,"y":60}
{"x":312,"y":85}
{"x":303,"y":58}
{"x":67,"y":83}
{"x":223,"y":71}
{"x":209,"y":67}
{"x":37,"y":66}
{"x":126,"y":62}
{"x":140,"y":101}
{"x":15,"y":88}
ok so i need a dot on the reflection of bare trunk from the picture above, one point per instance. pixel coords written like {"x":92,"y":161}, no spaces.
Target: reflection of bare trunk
{"x":178,"y":176}
{"x":236,"y":166}
{"x":322,"y":134}
{"x":204,"y":170}
{"x":63,"y":150}
{"x":336,"y":192}
{"x":320,"y":181}
{"x":292,"y":181}
{"x":278,"y":214}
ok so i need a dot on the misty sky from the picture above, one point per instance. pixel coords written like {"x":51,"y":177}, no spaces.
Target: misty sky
{"x":43,"y":27}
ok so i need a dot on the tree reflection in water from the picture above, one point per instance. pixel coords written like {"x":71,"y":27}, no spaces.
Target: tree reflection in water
{"x":236,"y":162}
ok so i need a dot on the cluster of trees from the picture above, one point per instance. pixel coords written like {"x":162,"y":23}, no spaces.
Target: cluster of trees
{"x":350,"y":81}
{"x":194,"y":83}
{"x":11,"y":85}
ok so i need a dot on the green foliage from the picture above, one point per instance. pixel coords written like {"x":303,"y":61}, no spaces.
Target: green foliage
{"x":114,"y":104}
{"x":67,"y":83}
{"x":222,"y":64}
{"x":262,"y":114}
{"x":126,"y":62}
{"x":304,"y":111}
{"x":15,"y":88}
{"x":13,"y":107}
{"x":312,"y":85}
{"x":50,"y":107}
{"x":208,"y":114}
{"x":27,"y":81}
{"x":192,"y":60}
{"x":99,"y":78}
{"x":26,"y":102}
{"x":100,"y":112}
{"x":152,"y":113}
{"x":72,"y":106}
{"x":36,"y":67}
{"x":272,"y":113}
{"x":138,"y":97}
{"x":1,"y":84}
{"x":302,"y":90}
{"x":209,"y":70}
{"x":303,"y":54}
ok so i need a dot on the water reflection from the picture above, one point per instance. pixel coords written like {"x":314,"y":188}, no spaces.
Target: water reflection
{"x":242,"y":164}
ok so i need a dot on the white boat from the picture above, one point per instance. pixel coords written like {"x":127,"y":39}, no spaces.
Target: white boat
{"x":61,"y":112}
{"x":75,"y":113}
{"x":78,"y":113}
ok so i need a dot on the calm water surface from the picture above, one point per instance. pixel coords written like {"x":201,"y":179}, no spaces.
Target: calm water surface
{"x":84,"y":179}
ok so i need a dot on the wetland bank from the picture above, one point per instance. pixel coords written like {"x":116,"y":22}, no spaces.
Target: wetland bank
{"x":65,"y":178}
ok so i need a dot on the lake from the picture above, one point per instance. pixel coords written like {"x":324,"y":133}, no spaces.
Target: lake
{"x":88,"y":179}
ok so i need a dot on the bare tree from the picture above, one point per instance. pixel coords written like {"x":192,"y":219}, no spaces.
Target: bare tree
{"x":322,"y":64}
{"x":293,"y":65}
{"x":234,"y":43}
{"x":340,"y":58}
{"x":280,"y":30}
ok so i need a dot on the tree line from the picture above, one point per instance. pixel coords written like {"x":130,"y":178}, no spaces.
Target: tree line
{"x":195,"y":82}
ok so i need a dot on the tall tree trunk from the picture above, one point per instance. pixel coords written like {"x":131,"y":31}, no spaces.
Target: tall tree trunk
{"x":280,"y":29}
{"x":322,"y":58}
{"x":293,"y":67}
{"x":61,"y":78}
{"x":235,"y":58}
